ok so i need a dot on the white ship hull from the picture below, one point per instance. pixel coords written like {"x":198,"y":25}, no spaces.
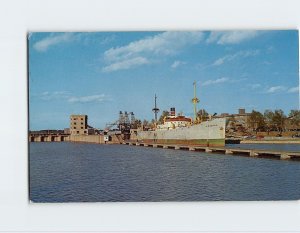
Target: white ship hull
{"x":208,"y":133}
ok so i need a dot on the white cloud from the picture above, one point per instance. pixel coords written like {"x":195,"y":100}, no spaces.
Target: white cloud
{"x":293,"y":90}
{"x":57,"y":95}
{"x":53,"y":39}
{"x":108,"y":39}
{"x":231,"y":37}
{"x":66,"y":96}
{"x":240,"y":54}
{"x":219,"y":61}
{"x":254,"y":86}
{"x":126,"y":64}
{"x":88,"y":99}
{"x":177,"y":63}
{"x":267,"y":63}
{"x":163,"y":44}
{"x":216,"y":81}
{"x":276,"y":89}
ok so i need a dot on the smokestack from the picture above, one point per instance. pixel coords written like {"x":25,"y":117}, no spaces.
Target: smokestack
{"x":172,"y":111}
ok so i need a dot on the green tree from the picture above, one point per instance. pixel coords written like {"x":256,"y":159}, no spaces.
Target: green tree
{"x":256,"y":121}
{"x":163,"y":115}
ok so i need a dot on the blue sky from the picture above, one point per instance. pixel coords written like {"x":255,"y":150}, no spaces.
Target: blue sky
{"x":100,"y":74}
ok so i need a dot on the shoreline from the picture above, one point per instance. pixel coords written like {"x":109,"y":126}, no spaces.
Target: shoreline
{"x":283,"y":141}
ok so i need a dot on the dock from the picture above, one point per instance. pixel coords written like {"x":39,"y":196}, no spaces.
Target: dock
{"x":257,"y":153}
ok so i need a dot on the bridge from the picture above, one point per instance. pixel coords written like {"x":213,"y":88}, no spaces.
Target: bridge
{"x":48,"y":137}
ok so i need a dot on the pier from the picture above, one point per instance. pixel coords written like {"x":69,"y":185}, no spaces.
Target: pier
{"x":258,"y":153}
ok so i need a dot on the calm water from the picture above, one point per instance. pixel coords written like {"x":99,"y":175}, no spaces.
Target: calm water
{"x":278,"y":147}
{"x":73,"y":172}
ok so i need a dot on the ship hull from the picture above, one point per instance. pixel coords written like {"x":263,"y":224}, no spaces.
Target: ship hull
{"x":209,"y":133}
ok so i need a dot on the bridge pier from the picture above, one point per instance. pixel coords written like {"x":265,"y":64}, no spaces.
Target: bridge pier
{"x":253,"y":154}
{"x":284,"y":156}
{"x":228,"y":152}
{"x":208,"y":150}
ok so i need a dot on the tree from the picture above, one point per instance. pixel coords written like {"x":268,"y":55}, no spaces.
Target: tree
{"x":202,"y":115}
{"x":294,"y":117}
{"x":145,"y":123}
{"x":278,"y":119}
{"x":136,"y":124}
{"x":163,"y":115}
{"x":153,"y":125}
{"x":268,"y":115}
{"x":256,"y":121}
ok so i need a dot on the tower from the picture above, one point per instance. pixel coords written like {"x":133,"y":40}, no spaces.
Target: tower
{"x":155,"y":109}
{"x":195,"y":101}
{"x":78,"y":124}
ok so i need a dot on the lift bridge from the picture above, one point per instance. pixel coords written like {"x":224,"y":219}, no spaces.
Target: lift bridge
{"x":124,"y":123}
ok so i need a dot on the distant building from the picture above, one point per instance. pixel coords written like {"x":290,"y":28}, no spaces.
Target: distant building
{"x":239,"y":120}
{"x":242,"y":111}
{"x":224,"y":114}
{"x":66,"y":130}
{"x":78,"y":125}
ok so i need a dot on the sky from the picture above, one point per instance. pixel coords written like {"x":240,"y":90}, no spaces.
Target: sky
{"x":102,"y":73}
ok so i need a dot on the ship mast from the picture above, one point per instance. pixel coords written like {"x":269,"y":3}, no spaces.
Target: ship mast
{"x":195,"y":101}
{"x":155,"y":109}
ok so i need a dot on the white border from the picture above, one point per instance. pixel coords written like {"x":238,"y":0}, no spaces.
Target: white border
{"x":19,"y":17}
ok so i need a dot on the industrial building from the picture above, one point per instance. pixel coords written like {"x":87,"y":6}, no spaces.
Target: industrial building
{"x":79,"y":125}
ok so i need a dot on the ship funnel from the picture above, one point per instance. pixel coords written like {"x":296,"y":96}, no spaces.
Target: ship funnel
{"x":172,"y":111}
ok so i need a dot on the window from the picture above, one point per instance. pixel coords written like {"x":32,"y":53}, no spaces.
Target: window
{"x":82,"y":119}
{"x":77,"y":131}
{"x":74,"y":123}
{"x":74,"y":127}
{"x":82,"y":123}
{"x":81,"y":127}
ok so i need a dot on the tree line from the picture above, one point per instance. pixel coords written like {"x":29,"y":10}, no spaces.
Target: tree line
{"x":273,"y":120}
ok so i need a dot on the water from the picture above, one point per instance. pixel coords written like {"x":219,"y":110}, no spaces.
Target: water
{"x":73,"y":172}
{"x":277,"y":147}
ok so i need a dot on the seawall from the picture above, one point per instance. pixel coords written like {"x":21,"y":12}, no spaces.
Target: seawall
{"x":87,"y":138}
{"x":99,"y":139}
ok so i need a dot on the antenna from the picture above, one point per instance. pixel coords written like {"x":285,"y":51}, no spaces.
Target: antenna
{"x":155,"y":109}
{"x":195,"y":101}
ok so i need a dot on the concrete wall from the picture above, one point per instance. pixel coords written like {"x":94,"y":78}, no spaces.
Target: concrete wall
{"x":114,"y":139}
{"x":87,"y":138}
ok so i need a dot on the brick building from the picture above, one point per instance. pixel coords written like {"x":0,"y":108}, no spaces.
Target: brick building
{"x":78,"y":125}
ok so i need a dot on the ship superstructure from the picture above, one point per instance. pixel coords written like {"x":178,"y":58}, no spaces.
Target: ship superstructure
{"x":180,"y":129}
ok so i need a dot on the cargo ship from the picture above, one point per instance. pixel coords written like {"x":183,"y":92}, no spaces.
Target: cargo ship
{"x":179,"y":129}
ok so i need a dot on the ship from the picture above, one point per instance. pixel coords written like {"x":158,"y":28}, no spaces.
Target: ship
{"x":179,"y":129}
